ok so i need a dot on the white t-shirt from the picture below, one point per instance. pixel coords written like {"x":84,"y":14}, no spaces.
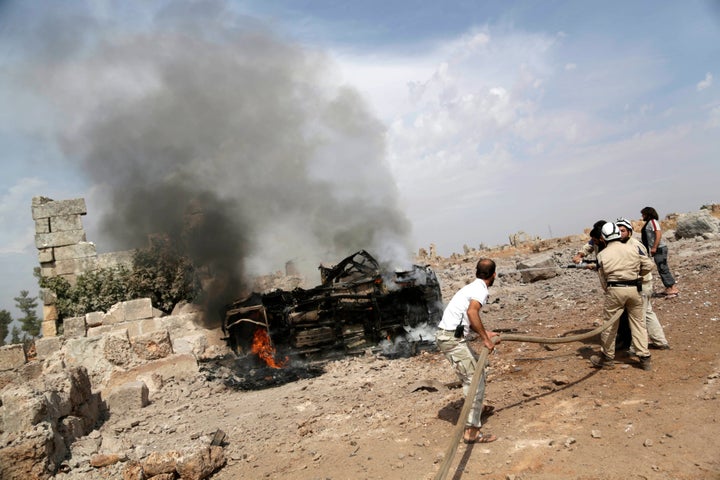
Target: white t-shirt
{"x":456,"y":311}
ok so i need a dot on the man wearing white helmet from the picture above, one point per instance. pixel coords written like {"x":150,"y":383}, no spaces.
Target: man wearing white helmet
{"x":656,"y":335}
{"x":620,"y":266}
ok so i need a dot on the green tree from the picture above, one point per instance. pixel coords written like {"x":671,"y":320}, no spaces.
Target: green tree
{"x":160,"y":272}
{"x":5,"y":320}
{"x":164,"y":274}
{"x":15,"y":336}
{"x":94,"y":291}
{"x":30,"y":323}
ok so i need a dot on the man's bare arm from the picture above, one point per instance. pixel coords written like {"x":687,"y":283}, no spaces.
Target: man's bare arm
{"x":473,"y":313}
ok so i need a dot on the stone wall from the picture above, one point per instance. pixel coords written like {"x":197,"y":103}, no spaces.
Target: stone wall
{"x":63,"y":250}
{"x":105,"y":362}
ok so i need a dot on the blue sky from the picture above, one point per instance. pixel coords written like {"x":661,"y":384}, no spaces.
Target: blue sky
{"x":496,"y":117}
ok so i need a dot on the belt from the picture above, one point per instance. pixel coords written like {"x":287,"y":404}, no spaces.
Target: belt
{"x":622,"y":284}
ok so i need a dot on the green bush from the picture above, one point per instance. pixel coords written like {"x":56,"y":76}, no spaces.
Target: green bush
{"x":94,"y":291}
{"x":159,"y":272}
{"x":163,"y":274}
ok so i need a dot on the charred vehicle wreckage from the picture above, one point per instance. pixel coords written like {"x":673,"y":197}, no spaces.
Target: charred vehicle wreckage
{"x":359,"y":305}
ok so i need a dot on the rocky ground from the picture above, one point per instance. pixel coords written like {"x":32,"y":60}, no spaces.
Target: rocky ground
{"x":372,"y":417}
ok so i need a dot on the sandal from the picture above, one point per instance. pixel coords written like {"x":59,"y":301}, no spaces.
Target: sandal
{"x":480,"y":438}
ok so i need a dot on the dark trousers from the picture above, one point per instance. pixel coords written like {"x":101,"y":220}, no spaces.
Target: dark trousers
{"x":660,"y":257}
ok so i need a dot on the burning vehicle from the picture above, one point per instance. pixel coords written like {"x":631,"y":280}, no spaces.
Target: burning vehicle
{"x":357,"y":306}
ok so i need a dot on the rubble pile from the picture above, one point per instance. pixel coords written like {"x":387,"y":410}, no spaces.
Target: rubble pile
{"x":105,"y":365}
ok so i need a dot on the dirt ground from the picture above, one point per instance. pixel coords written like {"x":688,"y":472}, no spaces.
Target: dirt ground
{"x":371,"y":417}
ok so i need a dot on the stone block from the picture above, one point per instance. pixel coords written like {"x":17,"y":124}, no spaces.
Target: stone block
{"x":74,"y":327}
{"x":47,"y":296}
{"x":538,"y":268}
{"x":34,"y":455}
{"x":46,"y":346}
{"x":46,"y":207}
{"x":198,"y":462}
{"x":47,"y":270}
{"x":42,"y":225}
{"x":12,"y":356}
{"x":88,"y":352}
{"x":50,"y":312}
{"x":182,"y":324}
{"x":142,"y":327}
{"x":45,"y":255}
{"x":117,"y":349}
{"x":63,"y":223}
{"x":116,"y":259}
{"x":138,"y":309}
{"x":79,"y":250}
{"x":59,"y":239}
{"x":75,"y":266}
{"x":30,"y":371}
{"x":152,"y":346}
{"x":181,"y":367}
{"x":133,"y":471}
{"x":127,"y":397}
{"x":98,"y":331}
{"x":116,"y":314}
{"x":6,"y":378}
{"x":192,"y":344}
{"x":158,"y":463}
{"x":22,"y":408}
{"x":94,"y":319}
{"x":49,"y":328}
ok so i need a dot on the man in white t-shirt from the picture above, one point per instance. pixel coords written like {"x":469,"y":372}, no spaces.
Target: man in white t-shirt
{"x":461,"y":316}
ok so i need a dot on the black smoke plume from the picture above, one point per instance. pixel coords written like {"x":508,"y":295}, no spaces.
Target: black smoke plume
{"x":195,"y":112}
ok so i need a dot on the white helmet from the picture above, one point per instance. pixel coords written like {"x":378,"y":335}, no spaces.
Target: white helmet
{"x":622,"y":222}
{"x":610,"y":232}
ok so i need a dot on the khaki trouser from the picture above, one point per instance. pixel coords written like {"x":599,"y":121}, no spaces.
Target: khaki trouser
{"x":464,"y":361}
{"x":654,"y":329}
{"x":628,"y":298}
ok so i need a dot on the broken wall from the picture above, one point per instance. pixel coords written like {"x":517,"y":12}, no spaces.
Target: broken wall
{"x":63,"y":250}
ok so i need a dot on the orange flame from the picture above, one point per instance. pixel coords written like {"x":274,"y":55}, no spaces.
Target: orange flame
{"x":264,"y":349}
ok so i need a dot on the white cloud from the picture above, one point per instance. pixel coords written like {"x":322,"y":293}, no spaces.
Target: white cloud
{"x":714,"y":117}
{"x":707,"y":82}
{"x":472,"y":122}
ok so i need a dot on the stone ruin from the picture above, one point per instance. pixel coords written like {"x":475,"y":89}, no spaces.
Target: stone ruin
{"x":101,"y":364}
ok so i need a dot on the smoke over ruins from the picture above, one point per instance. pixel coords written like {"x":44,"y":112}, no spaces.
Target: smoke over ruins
{"x":198,"y":113}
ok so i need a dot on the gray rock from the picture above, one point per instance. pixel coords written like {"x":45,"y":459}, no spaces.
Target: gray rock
{"x":694,"y":224}
{"x":539,"y":268}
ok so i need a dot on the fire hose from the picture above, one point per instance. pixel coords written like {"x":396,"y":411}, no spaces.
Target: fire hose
{"x":482,"y":360}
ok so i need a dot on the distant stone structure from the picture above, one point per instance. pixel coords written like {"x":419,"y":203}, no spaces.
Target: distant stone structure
{"x":63,"y":250}
{"x":519,"y":238}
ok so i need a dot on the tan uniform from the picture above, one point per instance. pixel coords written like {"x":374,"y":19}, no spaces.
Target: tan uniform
{"x":620,"y":265}
{"x":656,"y":334}
{"x":588,"y":249}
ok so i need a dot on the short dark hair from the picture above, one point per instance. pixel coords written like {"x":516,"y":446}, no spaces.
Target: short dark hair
{"x":650,"y":212}
{"x":485,"y":268}
{"x":599,"y":224}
